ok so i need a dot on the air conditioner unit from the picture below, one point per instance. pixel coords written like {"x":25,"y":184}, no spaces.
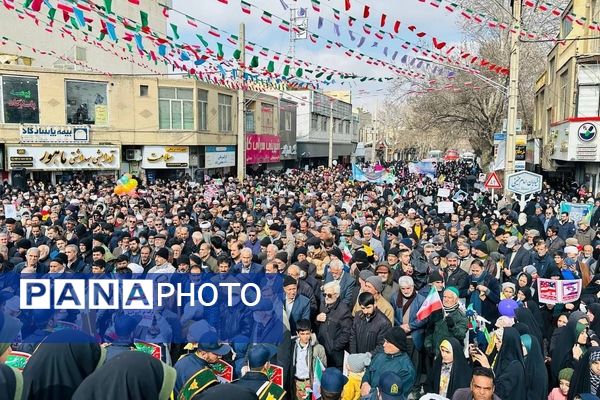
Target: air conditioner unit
{"x":133,"y":155}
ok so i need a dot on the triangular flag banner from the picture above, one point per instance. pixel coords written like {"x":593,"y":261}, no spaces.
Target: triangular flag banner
{"x":108,"y":6}
{"x":220,"y":53}
{"x":144,"y":19}
{"x":348,"y":5}
{"x":175,"y":33}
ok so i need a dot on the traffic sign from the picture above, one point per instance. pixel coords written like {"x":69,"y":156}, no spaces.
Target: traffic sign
{"x":492,"y":181}
{"x":524,"y":182}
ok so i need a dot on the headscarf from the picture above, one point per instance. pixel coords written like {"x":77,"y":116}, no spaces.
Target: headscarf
{"x":595,"y":324}
{"x":562,"y":352}
{"x":525,"y":316}
{"x":594,"y":379}
{"x":509,"y":367}
{"x":460,"y":375}
{"x":11,"y":382}
{"x":131,"y":375}
{"x":581,"y":381}
{"x":537,"y":376}
{"x":60,"y":364}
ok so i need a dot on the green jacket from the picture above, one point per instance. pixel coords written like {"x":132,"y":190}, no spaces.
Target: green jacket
{"x":440,"y":330}
{"x":399,"y":363}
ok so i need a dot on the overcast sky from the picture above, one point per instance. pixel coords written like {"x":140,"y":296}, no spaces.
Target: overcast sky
{"x":435,"y":22}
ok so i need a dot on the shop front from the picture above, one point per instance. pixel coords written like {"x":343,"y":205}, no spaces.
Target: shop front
{"x":165,"y":162}
{"x":261,"y":151}
{"x":219,"y":161}
{"x":59,"y":163}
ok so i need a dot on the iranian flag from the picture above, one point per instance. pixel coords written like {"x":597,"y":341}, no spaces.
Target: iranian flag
{"x":432,"y":303}
{"x":246,"y":7}
{"x":284,"y":26}
{"x":346,"y":255}
{"x":267,"y":17}
{"x":317,"y":374}
{"x":316,"y":5}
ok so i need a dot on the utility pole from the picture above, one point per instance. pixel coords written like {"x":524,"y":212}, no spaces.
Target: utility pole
{"x":513,"y":96}
{"x":241,"y":134}
{"x":330,"y":163}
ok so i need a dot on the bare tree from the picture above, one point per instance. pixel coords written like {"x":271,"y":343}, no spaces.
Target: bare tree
{"x":470,"y":105}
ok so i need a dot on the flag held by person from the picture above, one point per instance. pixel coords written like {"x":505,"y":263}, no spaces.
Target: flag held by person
{"x":431,"y":304}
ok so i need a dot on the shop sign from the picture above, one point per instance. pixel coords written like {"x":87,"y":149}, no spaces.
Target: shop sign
{"x":63,"y":158}
{"x":54,"y":134}
{"x":165,"y":157}
{"x":262,"y":149}
{"x":219,"y":156}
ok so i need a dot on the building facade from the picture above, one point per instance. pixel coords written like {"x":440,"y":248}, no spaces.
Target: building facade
{"x":78,"y":54}
{"x":315,"y":111}
{"x":567,"y":101}
{"x":55,"y":125}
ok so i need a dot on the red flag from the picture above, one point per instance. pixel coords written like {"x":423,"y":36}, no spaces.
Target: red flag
{"x":348,"y":5}
{"x":136,"y":2}
{"x":397,"y":26}
{"x":438,"y":45}
{"x":383,"y":18}
{"x":366,"y":12}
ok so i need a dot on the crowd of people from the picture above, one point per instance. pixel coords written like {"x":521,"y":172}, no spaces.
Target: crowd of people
{"x":359,"y":264}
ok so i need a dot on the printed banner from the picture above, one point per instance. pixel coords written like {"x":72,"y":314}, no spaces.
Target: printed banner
{"x":577,"y":211}
{"x":262,"y":149}
{"x":427,"y":168}
{"x":551,"y":291}
{"x":379,"y":177}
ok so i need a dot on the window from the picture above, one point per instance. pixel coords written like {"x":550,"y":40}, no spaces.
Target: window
{"x":176,"y":109}
{"x":566,"y":25}
{"x":20,"y":100}
{"x":551,"y":70}
{"x":80,"y":53}
{"x":267,"y":119}
{"x":249,"y":122}
{"x":225,"y":113}
{"x":314,"y":124}
{"x":324,"y":123}
{"x":143,"y":90}
{"x":287,"y":121}
{"x":564,"y":96}
{"x":202,"y":110}
{"x":86,"y":103}
{"x":347,"y":127}
{"x":588,"y":100}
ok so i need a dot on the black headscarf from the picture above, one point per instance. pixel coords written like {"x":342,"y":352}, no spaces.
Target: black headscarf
{"x":537,"y":376}
{"x":131,"y":375}
{"x":509,"y":367}
{"x":580,"y":383}
{"x":595,"y":324}
{"x":460,"y":375}
{"x":60,"y":364}
{"x":563,"y":349}
{"x":537,"y":316}
{"x":525,"y":316}
{"x":11,"y":383}
{"x":226,"y":391}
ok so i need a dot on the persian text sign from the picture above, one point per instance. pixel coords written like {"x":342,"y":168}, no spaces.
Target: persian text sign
{"x":262,"y":149}
{"x":551,"y":291}
{"x":62,"y":158}
{"x":525,"y":182}
{"x":54,"y":134}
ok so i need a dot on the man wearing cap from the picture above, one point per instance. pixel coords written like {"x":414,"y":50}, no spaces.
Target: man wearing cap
{"x":449,"y":322}
{"x":332,"y":384}
{"x":297,"y":306}
{"x":515,"y":260}
{"x":374,"y":285}
{"x":162,"y":264}
{"x":255,"y":376}
{"x":194,"y":373}
{"x":393,"y":358}
{"x":390,"y":387}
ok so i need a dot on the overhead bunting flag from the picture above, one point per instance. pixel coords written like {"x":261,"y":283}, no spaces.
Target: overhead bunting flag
{"x":175,"y":33}
{"x":284,"y":26}
{"x":383,"y":19}
{"x":246,"y":7}
{"x":267,"y":17}
{"x":366,"y":11}
{"x":316,"y":5}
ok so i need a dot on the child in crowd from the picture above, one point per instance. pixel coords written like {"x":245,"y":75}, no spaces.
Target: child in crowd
{"x":564,"y":380}
{"x":356,"y":365}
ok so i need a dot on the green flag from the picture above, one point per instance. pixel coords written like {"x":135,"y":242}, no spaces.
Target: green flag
{"x":108,"y":6}
{"x":144,"y":18}
{"x":175,"y":33}
{"x":202,"y":40}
